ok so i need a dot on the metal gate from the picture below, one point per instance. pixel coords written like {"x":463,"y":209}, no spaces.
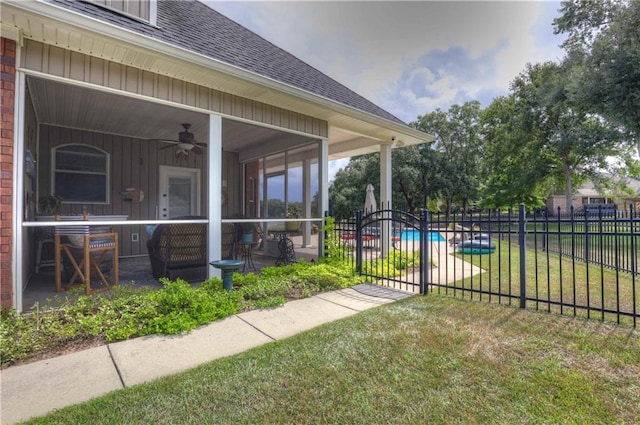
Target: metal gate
{"x":390,"y":247}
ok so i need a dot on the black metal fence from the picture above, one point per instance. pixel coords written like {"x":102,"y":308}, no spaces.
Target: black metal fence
{"x":580,"y":265}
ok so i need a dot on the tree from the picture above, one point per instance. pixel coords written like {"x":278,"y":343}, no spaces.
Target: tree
{"x":558,"y":142}
{"x":459,"y":144}
{"x":514,"y":171}
{"x":604,"y":44}
{"x":348,"y":188}
{"x":276,"y":208}
{"x":417,"y":177}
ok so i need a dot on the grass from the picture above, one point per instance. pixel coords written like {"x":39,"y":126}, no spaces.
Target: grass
{"x":555,"y":279}
{"x":432,"y":359}
{"x":605,"y":242}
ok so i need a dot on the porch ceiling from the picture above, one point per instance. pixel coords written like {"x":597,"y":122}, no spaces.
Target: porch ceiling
{"x":69,"y":106}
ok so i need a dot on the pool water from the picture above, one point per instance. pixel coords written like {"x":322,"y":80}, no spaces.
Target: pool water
{"x":414,"y":235}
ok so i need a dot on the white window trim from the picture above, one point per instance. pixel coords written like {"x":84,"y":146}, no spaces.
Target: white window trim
{"x":153,"y":11}
{"x":107,"y":174}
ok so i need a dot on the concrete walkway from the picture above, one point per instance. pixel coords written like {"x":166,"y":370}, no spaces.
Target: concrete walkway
{"x":448,"y":268}
{"x":37,"y":388}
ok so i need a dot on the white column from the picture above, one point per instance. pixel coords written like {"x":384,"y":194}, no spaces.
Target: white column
{"x":386,"y":191}
{"x":215,"y":191}
{"x":19,"y":233}
{"x":306,"y":202}
{"x":323,"y":188}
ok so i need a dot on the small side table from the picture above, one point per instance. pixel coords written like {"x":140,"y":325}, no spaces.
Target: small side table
{"x":246,"y":249}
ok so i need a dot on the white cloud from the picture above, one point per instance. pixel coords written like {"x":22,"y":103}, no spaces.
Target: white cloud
{"x":370,"y":46}
{"x":336,"y":165}
{"x":409,"y":57}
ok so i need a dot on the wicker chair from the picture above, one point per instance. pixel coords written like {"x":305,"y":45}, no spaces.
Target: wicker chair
{"x":180,"y":250}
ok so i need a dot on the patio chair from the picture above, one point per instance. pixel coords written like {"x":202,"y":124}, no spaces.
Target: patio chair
{"x":82,"y":251}
{"x":180,"y":250}
{"x":229,"y":241}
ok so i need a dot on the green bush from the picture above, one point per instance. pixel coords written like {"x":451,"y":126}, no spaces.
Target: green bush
{"x":125,"y":311}
{"x":396,"y":263}
{"x":325,"y":277}
{"x":264,"y":288}
{"x":380,"y":267}
{"x":182,"y":308}
{"x":336,"y":251}
{"x":266,"y":303}
{"x":402,"y":260}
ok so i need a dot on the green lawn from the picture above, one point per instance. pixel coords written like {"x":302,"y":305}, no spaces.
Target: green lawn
{"x":604,"y":241}
{"x":555,"y":278}
{"x":431,"y":359}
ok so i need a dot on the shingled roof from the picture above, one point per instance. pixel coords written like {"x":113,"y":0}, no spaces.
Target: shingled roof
{"x":196,"y":27}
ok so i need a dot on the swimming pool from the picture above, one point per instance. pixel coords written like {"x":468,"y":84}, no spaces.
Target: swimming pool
{"x":414,"y":235}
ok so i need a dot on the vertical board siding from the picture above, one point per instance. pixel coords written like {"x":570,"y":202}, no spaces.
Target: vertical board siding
{"x":148,"y":84}
{"x":75,"y":69}
{"x":133,"y":163}
{"x":76,"y":66}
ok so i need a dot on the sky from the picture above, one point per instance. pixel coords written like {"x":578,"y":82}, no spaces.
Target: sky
{"x":410,"y":58}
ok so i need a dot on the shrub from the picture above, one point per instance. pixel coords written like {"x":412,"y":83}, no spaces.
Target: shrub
{"x":182,"y":308}
{"x":335,"y":250}
{"x":325,"y":277}
{"x":125,"y":311}
{"x":402,"y":260}
{"x":266,"y":303}
{"x":256,"y":289}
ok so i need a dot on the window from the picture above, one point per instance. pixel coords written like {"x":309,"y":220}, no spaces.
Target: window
{"x":80,"y":174}
{"x":142,"y":10}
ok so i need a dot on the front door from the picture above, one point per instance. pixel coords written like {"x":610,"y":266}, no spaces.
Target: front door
{"x":179,"y":192}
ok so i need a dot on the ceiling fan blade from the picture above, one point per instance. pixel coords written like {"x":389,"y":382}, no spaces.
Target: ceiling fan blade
{"x":202,"y":145}
{"x":167,"y":147}
{"x":163,"y":141}
{"x":196,"y":149}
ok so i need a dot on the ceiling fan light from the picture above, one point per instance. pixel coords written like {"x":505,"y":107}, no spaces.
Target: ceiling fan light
{"x":185,"y":146}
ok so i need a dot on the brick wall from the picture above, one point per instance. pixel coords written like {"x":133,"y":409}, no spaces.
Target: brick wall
{"x":8,"y":62}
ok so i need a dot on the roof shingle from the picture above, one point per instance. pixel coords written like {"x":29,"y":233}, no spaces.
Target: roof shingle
{"x":194,"y":26}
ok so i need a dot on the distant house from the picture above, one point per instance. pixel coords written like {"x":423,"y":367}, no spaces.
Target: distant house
{"x":94,"y":97}
{"x":588,"y":195}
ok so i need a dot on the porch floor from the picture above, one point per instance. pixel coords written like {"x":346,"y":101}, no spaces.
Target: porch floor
{"x":40,"y":290}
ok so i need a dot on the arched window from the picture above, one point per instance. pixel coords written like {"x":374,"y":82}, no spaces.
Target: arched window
{"x":80,"y":174}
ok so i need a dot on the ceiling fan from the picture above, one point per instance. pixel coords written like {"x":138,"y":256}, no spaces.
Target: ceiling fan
{"x":185,"y":143}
